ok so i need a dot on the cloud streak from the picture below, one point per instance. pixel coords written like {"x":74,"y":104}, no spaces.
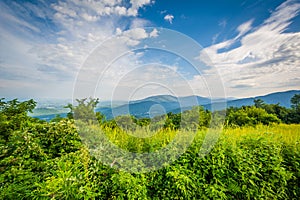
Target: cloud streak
{"x":266,"y":52}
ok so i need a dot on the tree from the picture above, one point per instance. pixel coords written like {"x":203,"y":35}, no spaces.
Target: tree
{"x":13,"y":115}
{"x":250,"y":115}
{"x":294,"y":115}
{"x":84,"y":110}
{"x":295,"y":101}
{"x":173,"y":120}
{"x":100,"y":117}
{"x":142,"y":121}
{"x":280,"y":111}
{"x":126,"y":122}
{"x":259,"y":103}
{"x":70,"y":114}
{"x":196,"y":118}
{"x":14,"y":107}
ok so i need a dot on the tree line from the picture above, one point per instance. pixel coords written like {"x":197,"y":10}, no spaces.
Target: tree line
{"x":196,"y":118}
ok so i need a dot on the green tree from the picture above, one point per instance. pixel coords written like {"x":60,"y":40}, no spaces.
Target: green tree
{"x":84,"y":110}
{"x":196,"y":118}
{"x":142,"y":122}
{"x":100,"y":117}
{"x":70,"y":113}
{"x":294,"y":115}
{"x":173,"y":120}
{"x":295,"y":101}
{"x":281,"y":112}
{"x":13,"y":115}
{"x":250,"y":115}
{"x":126,"y":122}
{"x":259,"y":103}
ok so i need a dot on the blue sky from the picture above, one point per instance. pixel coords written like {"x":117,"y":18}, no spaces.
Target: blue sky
{"x":56,"y":48}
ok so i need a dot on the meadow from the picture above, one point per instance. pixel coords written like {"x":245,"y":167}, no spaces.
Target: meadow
{"x":259,"y":162}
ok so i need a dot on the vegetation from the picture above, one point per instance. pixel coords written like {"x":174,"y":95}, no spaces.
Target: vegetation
{"x":257,"y":155}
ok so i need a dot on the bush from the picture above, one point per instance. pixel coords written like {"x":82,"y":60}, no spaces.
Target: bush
{"x":250,"y":116}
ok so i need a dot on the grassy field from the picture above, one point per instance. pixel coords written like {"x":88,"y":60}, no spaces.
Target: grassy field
{"x":289,"y":134}
{"x":48,"y":162}
{"x":259,"y":162}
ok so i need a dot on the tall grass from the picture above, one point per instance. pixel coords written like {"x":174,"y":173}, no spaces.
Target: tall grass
{"x":145,"y":140}
{"x":259,"y":162}
{"x":281,"y":133}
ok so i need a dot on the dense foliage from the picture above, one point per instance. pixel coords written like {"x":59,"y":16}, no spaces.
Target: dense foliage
{"x":254,"y":158}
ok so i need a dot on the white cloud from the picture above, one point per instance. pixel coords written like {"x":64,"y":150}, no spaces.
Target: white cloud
{"x":139,"y":3}
{"x":50,"y":52}
{"x":169,"y":18}
{"x":135,"y":5}
{"x":244,"y":28}
{"x":133,"y":36}
{"x":120,"y":10}
{"x":64,"y":10}
{"x":267,"y":54}
{"x":12,"y":21}
{"x":138,"y":33}
{"x":154,"y":33}
{"x":89,"y":18}
{"x":139,"y":23}
{"x":118,"y":31}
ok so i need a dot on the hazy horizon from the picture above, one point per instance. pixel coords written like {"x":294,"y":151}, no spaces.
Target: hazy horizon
{"x":69,"y":100}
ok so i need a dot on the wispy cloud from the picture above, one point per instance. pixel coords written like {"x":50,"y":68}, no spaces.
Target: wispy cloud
{"x":244,"y":28}
{"x":223,"y":23}
{"x":169,"y":18}
{"x":44,"y":43}
{"x":266,"y":52}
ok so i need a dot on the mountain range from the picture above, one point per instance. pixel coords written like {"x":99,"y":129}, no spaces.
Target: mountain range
{"x":162,"y":104}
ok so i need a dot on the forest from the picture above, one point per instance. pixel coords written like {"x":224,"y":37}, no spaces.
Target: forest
{"x":256,"y":155}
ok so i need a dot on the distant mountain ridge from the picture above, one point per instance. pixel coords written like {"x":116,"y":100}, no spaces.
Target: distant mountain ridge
{"x":141,"y":108}
{"x":162,"y":104}
{"x":283,"y":98}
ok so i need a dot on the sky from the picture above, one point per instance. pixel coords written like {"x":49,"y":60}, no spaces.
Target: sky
{"x":131,"y":49}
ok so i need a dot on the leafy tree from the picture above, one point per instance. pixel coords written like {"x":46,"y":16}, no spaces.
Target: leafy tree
{"x":217,"y":119}
{"x":27,"y":146}
{"x":281,"y":112}
{"x":259,"y":103}
{"x":294,"y":115}
{"x":159,"y":122}
{"x":13,"y":115}
{"x":238,"y":118}
{"x":84,"y":110}
{"x":142,"y":122}
{"x":173,"y":120}
{"x":70,"y":114}
{"x":57,"y":118}
{"x":250,"y":115}
{"x":100,"y":117}
{"x":196,"y":118}
{"x":14,"y":107}
{"x":126,"y":122}
{"x":295,"y":101}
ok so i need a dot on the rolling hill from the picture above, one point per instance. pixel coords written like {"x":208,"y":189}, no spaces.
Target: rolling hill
{"x":162,"y":104}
